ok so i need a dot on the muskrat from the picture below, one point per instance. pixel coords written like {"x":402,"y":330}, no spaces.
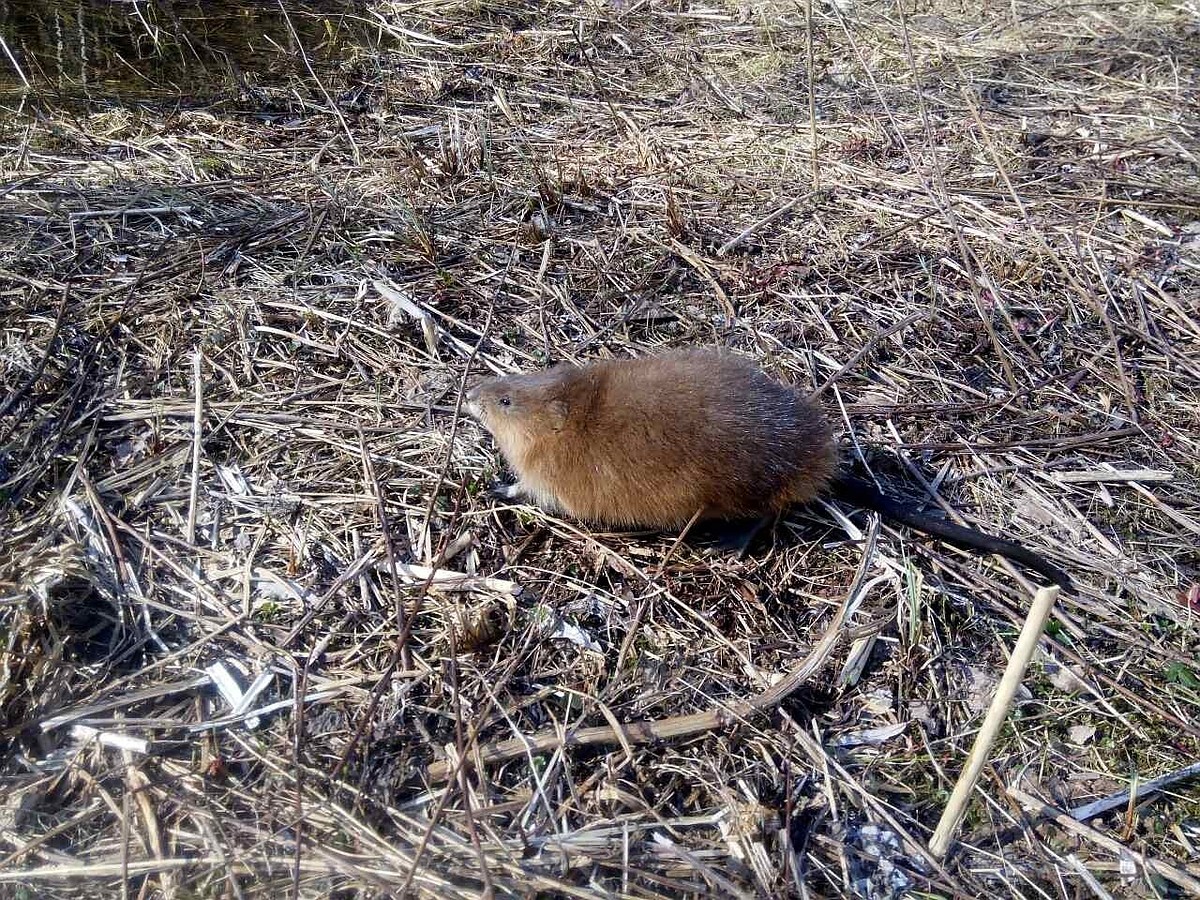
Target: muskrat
{"x":658,"y":441}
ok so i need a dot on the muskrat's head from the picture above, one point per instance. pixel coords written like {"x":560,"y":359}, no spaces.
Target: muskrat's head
{"x":518,"y":409}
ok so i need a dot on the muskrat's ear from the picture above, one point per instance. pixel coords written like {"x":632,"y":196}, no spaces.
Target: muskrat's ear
{"x":556,"y":411}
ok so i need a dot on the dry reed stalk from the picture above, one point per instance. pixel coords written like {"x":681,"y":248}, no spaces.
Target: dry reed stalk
{"x":997,"y":714}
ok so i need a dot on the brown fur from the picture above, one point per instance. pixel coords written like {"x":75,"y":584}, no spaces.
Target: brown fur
{"x":650,"y":442}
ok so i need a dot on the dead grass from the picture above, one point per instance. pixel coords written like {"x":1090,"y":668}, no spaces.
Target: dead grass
{"x":996,"y":277}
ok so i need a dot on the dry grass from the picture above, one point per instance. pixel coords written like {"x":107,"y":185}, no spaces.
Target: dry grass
{"x":997,"y":274}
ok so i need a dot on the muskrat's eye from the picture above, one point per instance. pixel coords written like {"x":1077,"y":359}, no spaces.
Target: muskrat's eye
{"x":505,"y":401}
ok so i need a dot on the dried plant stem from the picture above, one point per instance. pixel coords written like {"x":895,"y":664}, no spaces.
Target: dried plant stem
{"x":385,"y":529}
{"x":687,"y":725}
{"x":662,"y":729}
{"x":1184,"y":879}
{"x":1014,"y":672}
{"x":197,"y":434}
{"x":813,"y":150}
{"x":766,"y":220}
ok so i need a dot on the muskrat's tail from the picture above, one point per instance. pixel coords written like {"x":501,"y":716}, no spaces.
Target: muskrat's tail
{"x":863,"y":493}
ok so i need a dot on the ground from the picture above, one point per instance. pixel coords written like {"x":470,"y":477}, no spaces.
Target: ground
{"x":236,"y":325}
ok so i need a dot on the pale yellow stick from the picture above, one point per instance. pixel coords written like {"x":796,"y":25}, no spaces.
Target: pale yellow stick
{"x":1022,"y":653}
{"x":197,"y":425}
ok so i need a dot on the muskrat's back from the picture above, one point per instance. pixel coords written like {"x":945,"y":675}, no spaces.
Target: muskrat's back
{"x":650,"y":442}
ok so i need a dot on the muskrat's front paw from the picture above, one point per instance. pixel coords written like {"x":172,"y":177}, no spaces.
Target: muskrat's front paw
{"x":506,"y":491}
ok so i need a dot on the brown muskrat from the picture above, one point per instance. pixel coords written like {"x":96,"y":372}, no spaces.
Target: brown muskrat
{"x":654,"y":442}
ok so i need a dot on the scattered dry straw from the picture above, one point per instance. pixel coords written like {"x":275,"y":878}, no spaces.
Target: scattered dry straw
{"x":260,"y":621}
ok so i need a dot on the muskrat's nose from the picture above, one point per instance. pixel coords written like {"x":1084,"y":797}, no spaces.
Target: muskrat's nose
{"x":471,"y":401}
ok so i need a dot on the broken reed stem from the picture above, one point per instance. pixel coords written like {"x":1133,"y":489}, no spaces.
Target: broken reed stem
{"x":812,"y":96}
{"x":334,"y":109}
{"x":385,"y":529}
{"x":1039,"y":613}
{"x":669,"y":728}
{"x":12,"y":60}
{"x":1135,"y":792}
{"x":651,"y":589}
{"x":694,"y":723}
{"x":766,"y":220}
{"x":1182,"y":878}
{"x":866,"y":348}
{"x":197,"y":416}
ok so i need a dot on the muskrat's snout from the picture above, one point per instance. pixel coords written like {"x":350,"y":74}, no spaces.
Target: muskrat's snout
{"x":471,"y":401}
